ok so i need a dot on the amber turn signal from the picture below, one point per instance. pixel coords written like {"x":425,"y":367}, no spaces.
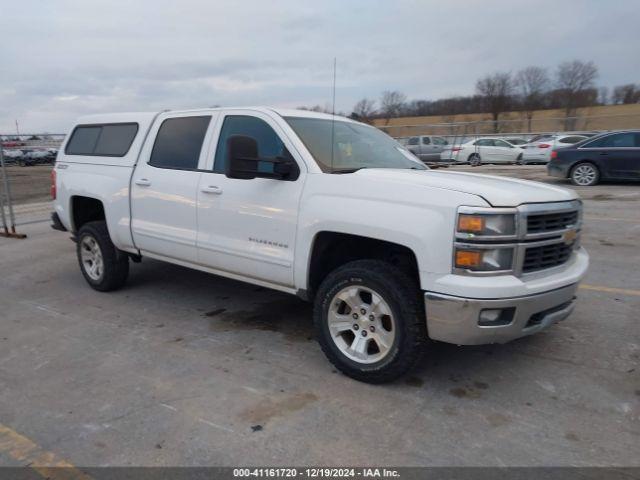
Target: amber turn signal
{"x":470,"y":223}
{"x":468,"y":258}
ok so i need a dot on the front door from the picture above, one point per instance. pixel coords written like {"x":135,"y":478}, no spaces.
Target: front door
{"x":503,"y":152}
{"x":164,"y":187}
{"x":248,"y":227}
{"x":621,"y":155}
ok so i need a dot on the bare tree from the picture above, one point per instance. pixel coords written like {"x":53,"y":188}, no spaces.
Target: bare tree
{"x":532,"y":83}
{"x":626,"y":94}
{"x":573,"y":78}
{"x":364,"y":110}
{"x":392,"y":104}
{"x":497,"y":90}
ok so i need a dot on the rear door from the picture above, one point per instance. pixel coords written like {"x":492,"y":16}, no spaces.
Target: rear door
{"x":428,"y":151}
{"x":617,"y":155}
{"x":165,"y":184}
{"x":248,"y":227}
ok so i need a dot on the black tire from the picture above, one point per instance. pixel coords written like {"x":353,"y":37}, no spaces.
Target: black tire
{"x":402,"y":295}
{"x":519,"y":160}
{"x":115,"y":263}
{"x":593,"y":181}
{"x":475,"y":160}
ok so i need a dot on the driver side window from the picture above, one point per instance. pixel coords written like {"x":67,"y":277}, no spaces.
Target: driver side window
{"x":269,"y":144}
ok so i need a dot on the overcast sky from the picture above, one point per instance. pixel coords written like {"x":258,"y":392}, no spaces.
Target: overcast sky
{"x":62,"y":59}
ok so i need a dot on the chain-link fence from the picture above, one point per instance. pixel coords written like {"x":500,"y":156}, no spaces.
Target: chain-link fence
{"x":522,"y":125}
{"x":24,"y":191}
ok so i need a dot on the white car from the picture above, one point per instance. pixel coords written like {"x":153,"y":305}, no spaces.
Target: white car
{"x":11,"y":155}
{"x":390,"y":252}
{"x":540,"y":150}
{"x":483,"y":150}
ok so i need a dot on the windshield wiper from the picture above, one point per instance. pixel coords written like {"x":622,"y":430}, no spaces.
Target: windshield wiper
{"x":346,"y":170}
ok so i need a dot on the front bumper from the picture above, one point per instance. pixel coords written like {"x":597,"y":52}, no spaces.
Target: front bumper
{"x":557,"y":170}
{"x":455,"y":320}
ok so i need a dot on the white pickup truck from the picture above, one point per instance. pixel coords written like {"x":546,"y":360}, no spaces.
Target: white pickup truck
{"x":391,"y":253}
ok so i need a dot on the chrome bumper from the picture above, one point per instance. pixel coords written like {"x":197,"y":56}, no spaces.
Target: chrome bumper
{"x":457,"y":320}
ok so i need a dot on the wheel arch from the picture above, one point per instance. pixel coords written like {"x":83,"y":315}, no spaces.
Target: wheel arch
{"x":330,"y":249}
{"x":84,"y":209}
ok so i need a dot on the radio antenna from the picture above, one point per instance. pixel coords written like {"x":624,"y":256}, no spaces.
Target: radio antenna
{"x":333,"y":111}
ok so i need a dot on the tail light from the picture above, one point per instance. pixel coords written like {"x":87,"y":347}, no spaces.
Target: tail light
{"x":544,"y":145}
{"x":456,"y":149}
{"x":554,"y":154}
{"x":53,"y":184}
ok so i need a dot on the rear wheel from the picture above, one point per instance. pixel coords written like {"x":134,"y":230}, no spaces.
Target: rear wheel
{"x":475,"y":160}
{"x":370,"y":321}
{"x":103,"y":266}
{"x":585,"y":174}
{"x":519,"y":160}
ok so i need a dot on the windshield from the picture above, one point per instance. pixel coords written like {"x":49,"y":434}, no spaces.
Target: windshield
{"x":355,"y":146}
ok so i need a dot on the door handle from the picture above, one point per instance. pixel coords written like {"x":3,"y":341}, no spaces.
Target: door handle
{"x":143,"y":182}
{"x":604,"y":153}
{"x":212,"y":189}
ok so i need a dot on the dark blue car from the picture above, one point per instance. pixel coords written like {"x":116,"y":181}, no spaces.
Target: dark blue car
{"x":609,"y":156}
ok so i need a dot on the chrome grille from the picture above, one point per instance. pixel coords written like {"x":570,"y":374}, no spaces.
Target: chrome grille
{"x":549,"y":222}
{"x":546,"y":256}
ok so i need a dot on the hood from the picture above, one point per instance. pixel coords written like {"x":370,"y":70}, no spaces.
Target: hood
{"x":497,"y":191}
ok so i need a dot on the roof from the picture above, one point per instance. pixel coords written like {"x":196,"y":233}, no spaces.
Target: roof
{"x":148,"y":116}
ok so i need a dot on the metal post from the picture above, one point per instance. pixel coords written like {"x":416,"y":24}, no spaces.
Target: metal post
{"x":11,"y":231}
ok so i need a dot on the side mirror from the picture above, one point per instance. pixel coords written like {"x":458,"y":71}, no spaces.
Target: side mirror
{"x":243,"y":162}
{"x":242,"y":157}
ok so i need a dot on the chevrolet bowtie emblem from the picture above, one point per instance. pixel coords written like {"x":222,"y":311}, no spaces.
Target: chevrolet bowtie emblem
{"x":569,"y":236}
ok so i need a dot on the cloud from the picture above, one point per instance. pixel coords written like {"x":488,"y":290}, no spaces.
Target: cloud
{"x":63,"y":59}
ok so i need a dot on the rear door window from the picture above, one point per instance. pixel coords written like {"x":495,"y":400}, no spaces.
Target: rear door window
{"x":178,"y":143}
{"x":414,"y":141}
{"x":426,"y":141}
{"x":111,"y":140}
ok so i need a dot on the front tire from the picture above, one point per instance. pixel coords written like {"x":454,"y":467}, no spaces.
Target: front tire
{"x":369,"y":320}
{"x":103,"y":266}
{"x":585,"y":174}
{"x":475,"y":160}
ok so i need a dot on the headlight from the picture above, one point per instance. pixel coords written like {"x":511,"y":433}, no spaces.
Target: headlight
{"x":486,"y":225}
{"x":484,"y":259}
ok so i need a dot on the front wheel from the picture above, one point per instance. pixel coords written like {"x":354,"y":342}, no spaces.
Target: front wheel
{"x":103,"y":266}
{"x":475,"y":160}
{"x":369,"y":320}
{"x":585,"y":175}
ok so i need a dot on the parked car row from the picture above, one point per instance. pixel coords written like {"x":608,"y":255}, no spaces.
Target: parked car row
{"x":584,"y":158}
{"x":508,"y":149}
{"x":29,"y":156}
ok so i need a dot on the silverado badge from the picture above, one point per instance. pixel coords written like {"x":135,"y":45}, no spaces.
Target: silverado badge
{"x":569,"y":236}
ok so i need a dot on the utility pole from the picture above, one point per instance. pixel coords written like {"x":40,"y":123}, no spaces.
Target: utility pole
{"x":17,"y":128}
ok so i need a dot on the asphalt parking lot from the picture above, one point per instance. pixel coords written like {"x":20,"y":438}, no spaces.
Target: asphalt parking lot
{"x":185,"y":368}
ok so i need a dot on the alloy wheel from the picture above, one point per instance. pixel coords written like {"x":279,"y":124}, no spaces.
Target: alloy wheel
{"x":91,"y":256}
{"x":361,"y":324}
{"x":584,"y":175}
